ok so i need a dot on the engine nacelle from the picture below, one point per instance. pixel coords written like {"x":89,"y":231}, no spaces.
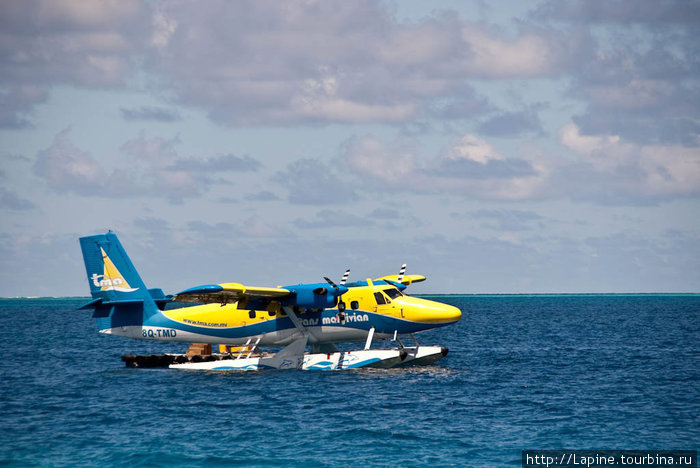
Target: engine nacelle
{"x":313,"y":296}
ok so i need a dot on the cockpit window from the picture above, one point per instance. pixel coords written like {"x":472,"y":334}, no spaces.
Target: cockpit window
{"x":393,"y":293}
{"x":379,"y":297}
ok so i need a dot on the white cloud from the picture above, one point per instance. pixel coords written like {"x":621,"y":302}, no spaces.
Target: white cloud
{"x":592,"y":146}
{"x":529,"y":54}
{"x":50,"y":42}
{"x":152,"y":167}
{"x":163,"y":29}
{"x":636,"y":67}
{"x":70,"y":41}
{"x":318,"y":101}
{"x":473,"y":148}
{"x":657,"y":170}
{"x":413,"y":45}
{"x":16,"y":102}
{"x":9,"y":200}
{"x":637,"y":94}
{"x":331,"y":219}
{"x":314,"y":182}
{"x":76,"y":13}
{"x":65,"y":167}
{"x":607,"y":169}
{"x":470,"y":167}
{"x":262,"y":63}
{"x":368,"y":155}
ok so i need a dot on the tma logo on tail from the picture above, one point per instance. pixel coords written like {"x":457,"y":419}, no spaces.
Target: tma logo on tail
{"x":111,"y":279}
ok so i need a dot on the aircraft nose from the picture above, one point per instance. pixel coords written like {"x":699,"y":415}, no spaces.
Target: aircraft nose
{"x":427,"y":311}
{"x":451,"y":313}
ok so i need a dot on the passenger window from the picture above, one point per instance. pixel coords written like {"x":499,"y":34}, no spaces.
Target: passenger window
{"x":251,"y":314}
{"x":379,"y":297}
{"x":354,"y":305}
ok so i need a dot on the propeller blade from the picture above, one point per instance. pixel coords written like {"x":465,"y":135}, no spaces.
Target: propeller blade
{"x":345,"y":277}
{"x":335,"y":286}
{"x":339,"y":294}
{"x":401,"y":272}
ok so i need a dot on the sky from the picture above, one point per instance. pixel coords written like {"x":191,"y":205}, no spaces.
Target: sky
{"x":495,"y":147}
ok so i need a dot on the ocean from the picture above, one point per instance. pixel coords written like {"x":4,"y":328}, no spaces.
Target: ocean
{"x":523,"y":372}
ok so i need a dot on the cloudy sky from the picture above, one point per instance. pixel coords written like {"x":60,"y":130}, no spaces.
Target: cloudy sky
{"x":506,"y":146}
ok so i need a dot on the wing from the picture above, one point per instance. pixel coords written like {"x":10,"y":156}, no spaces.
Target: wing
{"x":228,"y":292}
{"x":407,"y":279}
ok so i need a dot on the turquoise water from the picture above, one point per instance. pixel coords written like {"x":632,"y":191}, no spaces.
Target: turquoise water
{"x":524,"y":372}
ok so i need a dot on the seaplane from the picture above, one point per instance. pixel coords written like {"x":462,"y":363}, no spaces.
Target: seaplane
{"x":245,"y":320}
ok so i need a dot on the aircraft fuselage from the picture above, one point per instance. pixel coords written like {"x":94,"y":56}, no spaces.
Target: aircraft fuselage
{"x":367,"y":307}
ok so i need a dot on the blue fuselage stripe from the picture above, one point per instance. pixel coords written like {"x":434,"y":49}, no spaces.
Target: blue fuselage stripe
{"x":358,"y":320}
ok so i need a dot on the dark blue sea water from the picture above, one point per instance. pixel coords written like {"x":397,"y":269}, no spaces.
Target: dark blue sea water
{"x":524,"y":372}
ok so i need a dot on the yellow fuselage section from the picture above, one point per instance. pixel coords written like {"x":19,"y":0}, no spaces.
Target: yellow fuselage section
{"x":381,"y":307}
{"x":400,"y":306}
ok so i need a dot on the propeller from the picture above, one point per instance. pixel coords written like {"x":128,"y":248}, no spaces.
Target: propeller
{"x":335,"y":286}
{"x":401,"y":273}
{"x":328,"y":280}
{"x":341,"y":304}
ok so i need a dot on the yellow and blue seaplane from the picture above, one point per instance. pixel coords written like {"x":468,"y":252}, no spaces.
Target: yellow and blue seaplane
{"x":244,"y":319}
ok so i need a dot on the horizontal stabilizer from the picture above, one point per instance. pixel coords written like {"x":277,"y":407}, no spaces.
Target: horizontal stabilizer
{"x":101,"y":302}
{"x":158,"y":295}
{"x":160,"y":298}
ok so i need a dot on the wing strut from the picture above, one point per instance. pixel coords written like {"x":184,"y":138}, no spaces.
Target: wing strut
{"x":295,"y":320}
{"x":370,"y":335}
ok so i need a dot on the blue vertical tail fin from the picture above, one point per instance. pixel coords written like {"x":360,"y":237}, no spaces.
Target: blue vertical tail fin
{"x":111,"y":274}
{"x":119,"y":294}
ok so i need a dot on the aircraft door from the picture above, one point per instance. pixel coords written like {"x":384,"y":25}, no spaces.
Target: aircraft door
{"x":384,"y":304}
